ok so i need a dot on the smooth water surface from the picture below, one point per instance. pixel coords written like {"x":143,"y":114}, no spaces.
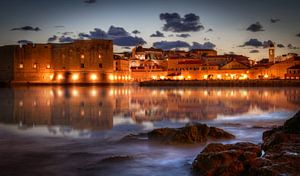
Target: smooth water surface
{"x":79,"y":130}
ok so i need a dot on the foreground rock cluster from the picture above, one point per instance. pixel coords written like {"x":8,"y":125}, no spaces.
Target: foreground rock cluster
{"x":278,"y":155}
{"x":190,"y":134}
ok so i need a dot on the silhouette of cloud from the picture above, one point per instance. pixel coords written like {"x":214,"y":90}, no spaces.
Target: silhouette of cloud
{"x":24,"y":42}
{"x":136,"y":32}
{"x":64,"y":39}
{"x":256,"y":43}
{"x":210,"y":30}
{"x":89,"y":1}
{"x":157,"y":34}
{"x":117,"y":32}
{"x":280,"y":46}
{"x":175,"y":23}
{"x":253,"y":43}
{"x":52,"y":39}
{"x":129,"y":41}
{"x":168,"y":45}
{"x":254,"y":51}
{"x":183,"y":35}
{"x":26,"y":28}
{"x":274,"y":20}
{"x":206,"y":45}
{"x":256,"y":27}
{"x":290,"y":46}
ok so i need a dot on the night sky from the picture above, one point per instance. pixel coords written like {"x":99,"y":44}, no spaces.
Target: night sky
{"x":229,"y":26}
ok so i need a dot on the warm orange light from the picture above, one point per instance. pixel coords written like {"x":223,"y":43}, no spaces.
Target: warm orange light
{"x":60,"y":77}
{"x":154,"y":77}
{"x":219,"y":76}
{"x":94,"y":77}
{"x":111,"y":77}
{"x":162,"y":77}
{"x":189,"y":77}
{"x":266,"y":76}
{"x":75,"y":77}
{"x":48,"y":66}
{"x":205,"y":76}
{"x":180,"y":77}
{"x":21,"y":66}
{"x":51,"y":77}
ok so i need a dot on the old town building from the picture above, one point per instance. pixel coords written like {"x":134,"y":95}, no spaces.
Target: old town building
{"x":78,"y":62}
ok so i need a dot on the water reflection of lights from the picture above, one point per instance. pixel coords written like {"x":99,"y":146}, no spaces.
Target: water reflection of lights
{"x":75,"y":93}
{"x":21,"y":103}
{"x":82,"y":112}
{"x":93,"y":93}
{"x":59,"y":93}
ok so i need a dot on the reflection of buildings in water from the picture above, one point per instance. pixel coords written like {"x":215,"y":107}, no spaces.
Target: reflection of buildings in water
{"x":207,"y":104}
{"x":79,"y":108}
{"x":94,"y":107}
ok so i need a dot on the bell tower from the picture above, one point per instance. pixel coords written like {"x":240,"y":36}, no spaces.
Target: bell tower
{"x":272,"y":53}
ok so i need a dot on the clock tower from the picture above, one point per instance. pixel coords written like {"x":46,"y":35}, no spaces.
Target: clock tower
{"x":272,"y":53}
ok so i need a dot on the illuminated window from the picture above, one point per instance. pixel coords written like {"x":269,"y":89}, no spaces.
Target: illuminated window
{"x":35,"y":66}
{"x":99,"y":56}
{"x":82,"y":56}
{"x":48,"y":66}
{"x":21,"y":65}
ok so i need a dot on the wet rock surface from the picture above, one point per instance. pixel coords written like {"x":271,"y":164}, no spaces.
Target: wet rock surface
{"x":278,"y":155}
{"x":190,"y":134}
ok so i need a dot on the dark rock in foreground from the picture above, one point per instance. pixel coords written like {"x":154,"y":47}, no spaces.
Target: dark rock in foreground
{"x":280,"y":149}
{"x":190,"y":134}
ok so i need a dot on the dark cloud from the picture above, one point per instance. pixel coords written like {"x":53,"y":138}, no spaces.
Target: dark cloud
{"x":280,"y":46}
{"x":256,"y":27}
{"x":210,"y":30}
{"x":253,"y":43}
{"x":136,"y":32}
{"x":183,"y":35}
{"x":83,"y":35}
{"x":117,"y":32}
{"x":90,"y":1}
{"x":256,"y":43}
{"x":64,"y":39}
{"x":168,"y":45}
{"x":24,"y":42}
{"x":274,"y":20}
{"x":157,"y":34}
{"x":290,"y":46}
{"x":26,"y":28}
{"x":174,"y":23}
{"x":129,"y":41}
{"x":67,"y":33}
{"x":98,"y":34}
{"x":52,"y":39}
{"x":254,"y":51}
{"x":206,"y":45}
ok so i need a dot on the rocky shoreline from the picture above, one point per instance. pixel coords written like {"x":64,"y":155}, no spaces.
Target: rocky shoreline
{"x":279,"y":154}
